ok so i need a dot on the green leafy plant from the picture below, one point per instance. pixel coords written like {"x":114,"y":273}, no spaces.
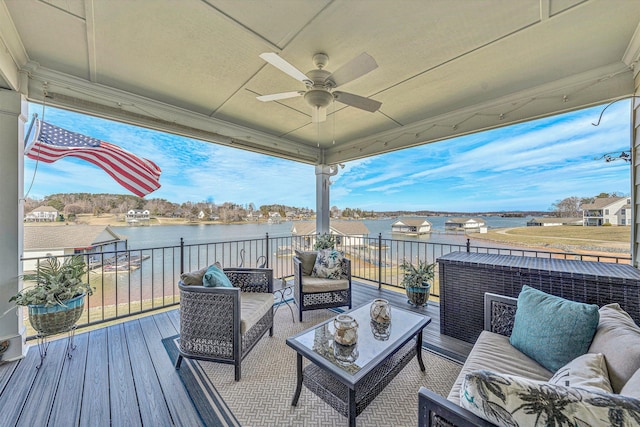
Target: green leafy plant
{"x":325,"y":241}
{"x":56,"y":282}
{"x":417,"y":276}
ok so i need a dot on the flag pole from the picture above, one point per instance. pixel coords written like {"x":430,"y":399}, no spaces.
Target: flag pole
{"x":33,"y":120}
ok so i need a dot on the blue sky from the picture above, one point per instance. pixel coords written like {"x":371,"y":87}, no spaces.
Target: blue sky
{"x":528,"y":166}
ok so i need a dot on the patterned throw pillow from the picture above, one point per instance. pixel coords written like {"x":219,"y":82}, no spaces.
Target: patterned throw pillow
{"x":328,"y":264}
{"x":511,"y":401}
{"x":552,"y":330}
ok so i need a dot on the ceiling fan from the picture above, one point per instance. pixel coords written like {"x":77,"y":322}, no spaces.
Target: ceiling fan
{"x":321,"y":83}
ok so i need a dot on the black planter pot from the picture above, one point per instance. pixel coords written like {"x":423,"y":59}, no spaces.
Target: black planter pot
{"x":418,"y":296}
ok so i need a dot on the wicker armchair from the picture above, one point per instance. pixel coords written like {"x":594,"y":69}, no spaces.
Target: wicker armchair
{"x":311,"y":293}
{"x":224,"y":324}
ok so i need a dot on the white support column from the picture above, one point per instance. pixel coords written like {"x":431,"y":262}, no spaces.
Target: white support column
{"x":13,"y":116}
{"x":635,"y":175}
{"x":323,"y":182}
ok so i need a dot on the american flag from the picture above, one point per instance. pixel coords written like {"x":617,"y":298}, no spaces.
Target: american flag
{"x":51,"y":143}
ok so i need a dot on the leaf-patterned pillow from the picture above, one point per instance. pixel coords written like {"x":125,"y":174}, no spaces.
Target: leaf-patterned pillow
{"x":328,"y":264}
{"x":512,"y":401}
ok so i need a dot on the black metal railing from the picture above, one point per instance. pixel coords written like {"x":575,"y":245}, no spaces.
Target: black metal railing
{"x":136,"y":281}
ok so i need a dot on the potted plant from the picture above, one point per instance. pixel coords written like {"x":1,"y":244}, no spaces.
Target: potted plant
{"x":417,"y":281}
{"x":56,"y":301}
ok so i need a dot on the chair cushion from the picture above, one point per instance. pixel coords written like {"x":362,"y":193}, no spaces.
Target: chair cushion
{"x":318,"y":284}
{"x":588,"y":371}
{"x":494,"y":350}
{"x":618,"y":338}
{"x":194,"y":278}
{"x":509,"y":400}
{"x":214,"y":277}
{"x":328,"y":264}
{"x":253,"y":306}
{"x":308,"y":260}
{"x":552,"y":330}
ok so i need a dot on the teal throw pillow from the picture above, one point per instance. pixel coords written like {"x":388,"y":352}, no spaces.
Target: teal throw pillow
{"x":552,"y":330}
{"x":215,"y":278}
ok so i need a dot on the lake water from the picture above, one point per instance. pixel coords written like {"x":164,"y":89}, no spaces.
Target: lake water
{"x":169,"y":235}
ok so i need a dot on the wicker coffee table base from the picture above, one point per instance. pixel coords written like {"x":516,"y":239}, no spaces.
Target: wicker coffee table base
{"x":351,"y":402}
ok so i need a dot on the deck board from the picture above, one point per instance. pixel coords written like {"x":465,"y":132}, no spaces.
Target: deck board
{"x":121,"y":375}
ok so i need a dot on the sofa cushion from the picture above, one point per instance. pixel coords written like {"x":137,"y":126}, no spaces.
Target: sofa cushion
{"x":509,"y":400}
{"x":494,"y":351}
{"x":308,"y":260}
{"x":618,"y":338}
{"x":253,"y":306}
{"x":588,"y":371}
{"x":318,"y":284}
{"x":632,"y":387}
{"x":214,"y":277}
{"x":328,"y":264}
{"x":552,"y":330}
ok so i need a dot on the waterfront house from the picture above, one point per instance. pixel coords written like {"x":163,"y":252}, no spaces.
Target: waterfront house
{"x":550,"y":222}
{"x":465,"y":224}
{"x":138,"y":217}
{"x":607,"y":210}
{"x":347,"y":233}
{"x":411,"y":226}
{"x":42,"y":214}
{"x":70,"y":240}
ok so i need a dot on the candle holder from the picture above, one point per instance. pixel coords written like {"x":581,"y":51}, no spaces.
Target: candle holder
{"x":380,"y":311}
{"x":346,"y":329}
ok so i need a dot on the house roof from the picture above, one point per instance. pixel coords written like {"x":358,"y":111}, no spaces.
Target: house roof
{"x":346,"y":228}
{"x":193,"y":67}
{"x":68,"y":236}
{"x":416,"y":222}
{"x":44,"y":209}
{"x":602,"y":202}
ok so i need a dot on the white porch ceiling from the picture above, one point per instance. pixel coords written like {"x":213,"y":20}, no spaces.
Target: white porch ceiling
{"x":446,"y":67}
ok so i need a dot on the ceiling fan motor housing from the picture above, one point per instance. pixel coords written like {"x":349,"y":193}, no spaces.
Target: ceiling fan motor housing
{"x":319,"y":95}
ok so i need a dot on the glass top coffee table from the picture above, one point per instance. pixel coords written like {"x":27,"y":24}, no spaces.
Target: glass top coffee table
{"x":349,"y":377}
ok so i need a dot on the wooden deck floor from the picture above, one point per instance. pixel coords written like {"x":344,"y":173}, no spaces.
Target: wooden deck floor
{"x":120,"y":375}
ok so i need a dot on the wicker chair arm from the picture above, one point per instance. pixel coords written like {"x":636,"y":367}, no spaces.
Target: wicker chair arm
{"x":435,"y":410}
{"x":251,"y":279}
{"x":499,"y":313}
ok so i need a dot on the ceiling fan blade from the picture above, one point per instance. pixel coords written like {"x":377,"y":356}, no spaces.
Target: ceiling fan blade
{"x":318,"y":114}
{"x":278,"y":62}
{"x":277,"y":96}
{"x":357,"y":101}
{"x":357,"y":67}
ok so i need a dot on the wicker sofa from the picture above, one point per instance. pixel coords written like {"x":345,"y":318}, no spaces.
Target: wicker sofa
{"x":312,"y":293}
{"x":493,"y":352}
{"x":224,"y":324}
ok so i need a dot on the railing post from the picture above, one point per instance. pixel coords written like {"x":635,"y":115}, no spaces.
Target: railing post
{"x":181,"y":255}
{"x":266,"y":250}
{"x":468,"y":245}
{"x":379,"y":260}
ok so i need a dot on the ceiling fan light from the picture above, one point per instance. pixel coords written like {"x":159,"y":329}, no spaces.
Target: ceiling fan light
{"x":318,"y":98}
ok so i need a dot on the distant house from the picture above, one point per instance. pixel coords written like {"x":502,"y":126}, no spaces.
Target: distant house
{"x":68,"y":240}
{"x":347,"y":233}
{"x":465,"y":224}
{"x":607,"y":210}
{"x":411,"y":226}
{"x":201,"y":215}
{"x":138,"y":217}
{"x":42,"y":214}
{"x":550,"y":222}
